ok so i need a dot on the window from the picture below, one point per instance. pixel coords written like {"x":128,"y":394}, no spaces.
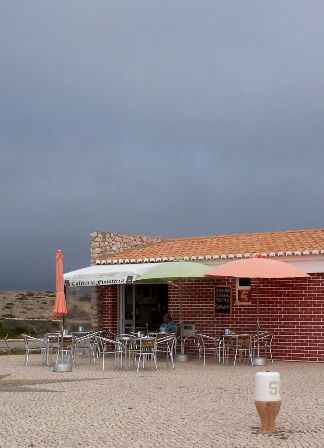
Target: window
{"x":244,"y":282}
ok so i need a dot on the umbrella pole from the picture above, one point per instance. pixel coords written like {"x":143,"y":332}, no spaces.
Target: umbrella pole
{"x":181,"y":356}
{"x":258,"y":361}
{"x":258,"y":320}
{"x":62,"y":352}
{"x":181,"y":319}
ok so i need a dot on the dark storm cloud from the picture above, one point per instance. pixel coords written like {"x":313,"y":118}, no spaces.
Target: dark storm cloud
{"x":160,"y":117}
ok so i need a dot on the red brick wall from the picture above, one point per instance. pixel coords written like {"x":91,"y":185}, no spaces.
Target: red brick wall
{"x":109,"y":308}
{"x":292,"y":309}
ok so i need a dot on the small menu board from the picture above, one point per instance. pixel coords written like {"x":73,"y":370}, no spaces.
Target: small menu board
{"x":223,"y":300}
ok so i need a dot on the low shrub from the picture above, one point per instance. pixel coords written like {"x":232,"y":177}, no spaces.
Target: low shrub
{"x":14,"y":328}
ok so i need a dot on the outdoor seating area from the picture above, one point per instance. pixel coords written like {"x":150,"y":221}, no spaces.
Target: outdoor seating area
{"x":138,"y":351}
{"x":126,"y":351}
{"x":231,"y":347}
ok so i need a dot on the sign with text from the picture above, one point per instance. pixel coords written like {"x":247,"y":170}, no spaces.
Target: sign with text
{"x":223,"y":300}
{"x":95,"y":282}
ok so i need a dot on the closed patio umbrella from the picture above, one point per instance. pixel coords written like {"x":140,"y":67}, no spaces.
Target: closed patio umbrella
{"x":60,"y":308}
{"x":256,"y":268}
{"x":172,"y":272}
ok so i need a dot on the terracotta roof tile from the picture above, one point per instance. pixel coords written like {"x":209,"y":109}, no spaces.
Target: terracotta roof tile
{"x":229,"y":245}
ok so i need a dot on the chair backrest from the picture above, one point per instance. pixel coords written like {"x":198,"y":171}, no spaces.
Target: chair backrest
{"x":243,"y":342}
{"x":67,"y":341}
{"x":32,"y":342}
{"x":53,"y":339}
{"x":52,"y":335}
{"x":161,"y":336}
{"x":204,"y":339}
{"x":106,"y":334}
{"x":146,"y":344}
{"x":4,"y":345}
{"x":104,"y":344}
{"x":265,"y":335}
{"x":200,"y":340}
{"x":83,"y":341}
{"x":163,"y":342}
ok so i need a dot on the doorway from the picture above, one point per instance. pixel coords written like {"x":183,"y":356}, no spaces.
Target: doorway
{"x":143,"y":307}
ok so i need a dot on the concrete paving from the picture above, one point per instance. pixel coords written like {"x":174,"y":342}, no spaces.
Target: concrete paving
{"x":192,"y":406}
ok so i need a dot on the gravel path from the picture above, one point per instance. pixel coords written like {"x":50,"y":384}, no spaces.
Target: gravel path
{"x":192,"y":406}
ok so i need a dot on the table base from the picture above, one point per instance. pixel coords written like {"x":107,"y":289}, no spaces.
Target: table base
{"x":259,"y":361}
{"x":181,"y":357}
{"x":62,"y":367}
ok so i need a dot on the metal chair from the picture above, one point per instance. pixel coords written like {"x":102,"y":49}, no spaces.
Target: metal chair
{"x":4,"y":345}
{"x":33,"y":344}
{"x":144,"y":349}
{"x":53,"y":345}
{"x":209,"y":344}
{"x":240,"y":346}
{"x":85,"y":345}
{"x":66,"y":348}
{"x":108,"y":347}
{"x":189,"y":341}
{"x":265,"y":343}
{"x":166,"y":345}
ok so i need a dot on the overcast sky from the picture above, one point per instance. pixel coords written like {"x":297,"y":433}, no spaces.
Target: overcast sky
{"x":158,"y":117}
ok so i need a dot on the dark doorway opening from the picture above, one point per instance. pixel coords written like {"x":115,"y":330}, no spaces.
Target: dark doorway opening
{"x":145,"y":306}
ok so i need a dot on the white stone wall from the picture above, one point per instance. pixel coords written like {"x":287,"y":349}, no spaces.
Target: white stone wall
{"x":95,"y":315}
{"x":105,"y":244}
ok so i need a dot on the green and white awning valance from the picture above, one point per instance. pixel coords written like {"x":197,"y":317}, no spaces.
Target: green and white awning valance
{"x":106,"y":274}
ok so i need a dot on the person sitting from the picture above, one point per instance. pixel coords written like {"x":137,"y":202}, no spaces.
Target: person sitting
{"x":168,"y":326}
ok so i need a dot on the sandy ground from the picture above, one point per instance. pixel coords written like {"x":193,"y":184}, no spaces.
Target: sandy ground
{"x":191,"y":406}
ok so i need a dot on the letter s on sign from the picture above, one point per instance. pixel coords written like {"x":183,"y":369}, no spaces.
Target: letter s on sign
{"x":273,"y":387}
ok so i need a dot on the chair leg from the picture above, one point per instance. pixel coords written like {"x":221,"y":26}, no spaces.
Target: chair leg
{"x":171,"y":357}
{"x":93,"y":354}
{"x":270,"y":351}
{"x":26,"y":358}
{"x":48,"y":356}
{"x":45,"y":356}
{"x":120,"y":360}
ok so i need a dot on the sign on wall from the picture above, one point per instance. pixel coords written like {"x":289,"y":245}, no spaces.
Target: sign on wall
{"x":223,"y":300}
{"x":244,"y":296}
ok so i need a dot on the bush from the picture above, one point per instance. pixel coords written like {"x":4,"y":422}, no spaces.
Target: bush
{"x":15,"y":328}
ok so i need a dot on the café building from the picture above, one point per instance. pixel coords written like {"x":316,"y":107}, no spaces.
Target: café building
{"x":291,"y":309}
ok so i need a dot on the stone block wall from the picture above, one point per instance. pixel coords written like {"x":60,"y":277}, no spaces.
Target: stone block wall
{"x":96,"y":307}
{"x":105,"y":244}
